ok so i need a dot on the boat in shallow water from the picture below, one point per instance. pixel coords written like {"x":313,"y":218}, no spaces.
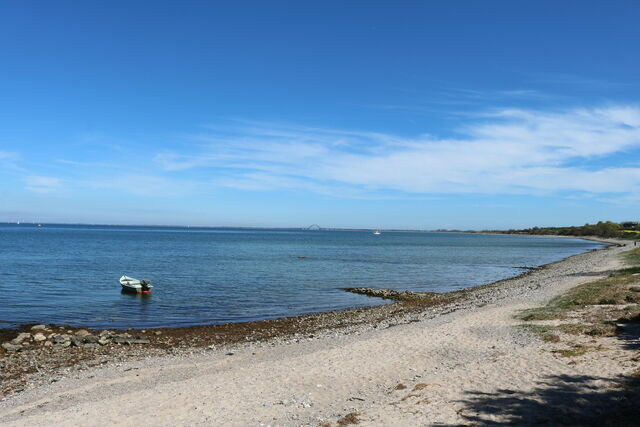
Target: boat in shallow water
{"x":129,"y":284}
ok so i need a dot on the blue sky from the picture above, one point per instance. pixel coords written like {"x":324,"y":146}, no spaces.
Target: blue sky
{"x":408,"y":114}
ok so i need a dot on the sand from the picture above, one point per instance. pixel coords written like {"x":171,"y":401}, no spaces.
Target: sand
{"x":472,"y":364}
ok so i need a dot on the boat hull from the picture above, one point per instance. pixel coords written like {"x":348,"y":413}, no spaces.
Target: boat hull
{"x":129,"y":284}
{"x":133,"y":290}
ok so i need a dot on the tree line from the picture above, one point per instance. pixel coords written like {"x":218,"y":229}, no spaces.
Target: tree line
{"x":627,"y":229}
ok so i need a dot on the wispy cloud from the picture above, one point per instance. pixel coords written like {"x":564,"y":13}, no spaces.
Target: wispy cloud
{"x":142,"y":184}
{"x":42,"y":184}
{"x":578,"y":80}
{"x":432,"y":102}
{"x":9,"y":161}
{"x":504,"y":152}
{"x":7,"y":155}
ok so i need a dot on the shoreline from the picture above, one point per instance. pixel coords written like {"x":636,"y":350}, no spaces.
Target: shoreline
{"x":264,"y":371}
{"x":140,"y":343}
{"x":9,"y":331}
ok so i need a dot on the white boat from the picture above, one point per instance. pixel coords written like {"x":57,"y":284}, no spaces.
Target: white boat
{"x":129,"y":284}
{"x":377,"y":232}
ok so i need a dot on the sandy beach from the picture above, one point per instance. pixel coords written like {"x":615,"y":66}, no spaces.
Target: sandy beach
{"x":463,"y":362}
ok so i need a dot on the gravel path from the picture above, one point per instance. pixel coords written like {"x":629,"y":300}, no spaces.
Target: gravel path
{"x":430,"y":367}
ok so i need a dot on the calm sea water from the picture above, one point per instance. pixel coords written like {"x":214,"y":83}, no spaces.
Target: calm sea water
{"x":69,"y":274}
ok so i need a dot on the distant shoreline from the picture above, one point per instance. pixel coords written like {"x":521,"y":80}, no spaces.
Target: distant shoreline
{"x":228,"y":227}
{"x":255,"y":228}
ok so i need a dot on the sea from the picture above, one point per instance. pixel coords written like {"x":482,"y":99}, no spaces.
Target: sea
{"x":68,"y":274}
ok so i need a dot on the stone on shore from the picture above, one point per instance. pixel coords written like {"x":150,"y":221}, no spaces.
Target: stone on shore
{"x":90,"y":339}
{"x":21,"y":337}
{"x":39,"y":337}
{"x":59,"y":339}
{"x":82,"y":333}
{"x":11,"y":347}
{"x":38,"y":327}
{"x":392,"y":294}
{"x":77,"y":341}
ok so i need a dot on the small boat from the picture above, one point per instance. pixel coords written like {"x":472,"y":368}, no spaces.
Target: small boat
{"x":377,"y":232}
{"x":129,"y":284}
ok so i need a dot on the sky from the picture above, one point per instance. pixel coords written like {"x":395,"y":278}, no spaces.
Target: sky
{"x":367,"y":114}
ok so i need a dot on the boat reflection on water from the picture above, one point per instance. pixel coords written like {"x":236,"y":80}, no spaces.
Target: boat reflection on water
{"x":138,"y":295}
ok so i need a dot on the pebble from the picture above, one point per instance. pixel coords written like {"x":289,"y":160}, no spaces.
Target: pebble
{"x":39,"y":337}
{"x":38,"y":327}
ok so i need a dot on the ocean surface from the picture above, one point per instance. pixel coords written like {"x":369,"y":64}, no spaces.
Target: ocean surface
{"x":69,"y":274}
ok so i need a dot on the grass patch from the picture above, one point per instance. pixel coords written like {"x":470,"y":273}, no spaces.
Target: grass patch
{"x":625,"y":271}
{"x":545,"y":332}
{"x":611,"y":291}
{"x":349,"y":419}
{"x":632,"y":257}
{"x":575,"y":350}
{"x":599,"y":305}
{"x":605,"y":329}
{"x":541,"y":313}
{"x":630,"y":313}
